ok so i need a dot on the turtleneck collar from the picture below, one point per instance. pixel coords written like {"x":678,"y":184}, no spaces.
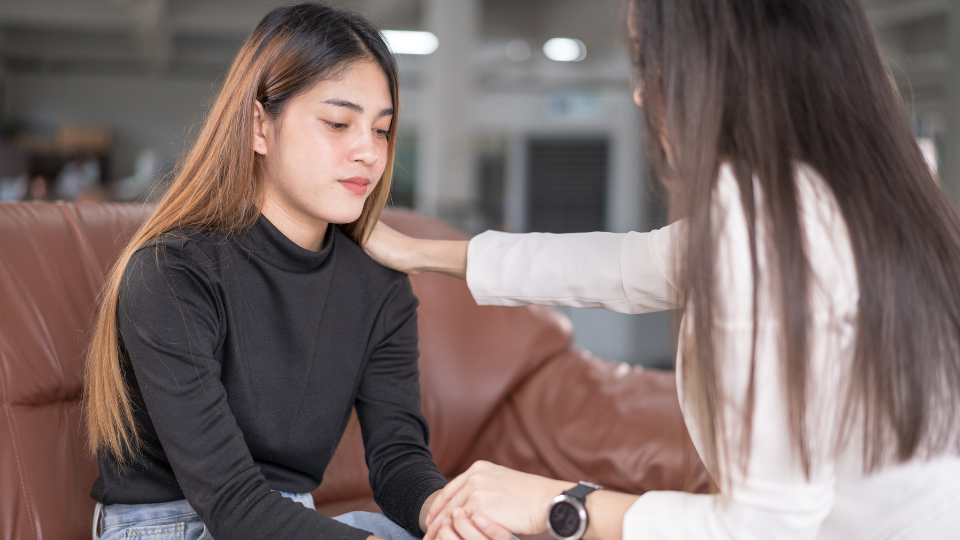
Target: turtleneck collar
{"x":271,"y":245}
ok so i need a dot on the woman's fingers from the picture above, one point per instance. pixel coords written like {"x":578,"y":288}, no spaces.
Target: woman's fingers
{"x":389,"y":247}
{"x":446,"y":532}
{"x":446,"y":494}
{"x":464,"y":527}
{"x":478,"y":527}
{"x":517,"y":501}
{"x":466,"y":492}
{"x":460,"y":526}
{"x":433,"y":530}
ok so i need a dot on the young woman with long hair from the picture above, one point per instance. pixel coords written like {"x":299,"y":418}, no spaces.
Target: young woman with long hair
{"x":243,"y":322}
{"x":818,"y":262}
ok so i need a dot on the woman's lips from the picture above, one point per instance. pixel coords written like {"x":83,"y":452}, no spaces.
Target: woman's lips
{"x":356,"y":185}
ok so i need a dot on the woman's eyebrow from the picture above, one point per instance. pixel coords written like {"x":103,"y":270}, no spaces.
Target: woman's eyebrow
{"x":356,"y":108}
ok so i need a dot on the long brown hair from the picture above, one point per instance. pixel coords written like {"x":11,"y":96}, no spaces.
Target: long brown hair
{"x":218,"y":185}
{"x":764,"y":85}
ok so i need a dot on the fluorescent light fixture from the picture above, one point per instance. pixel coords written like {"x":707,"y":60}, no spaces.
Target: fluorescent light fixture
{"x":565,"y":50}
{"x":518,"y":50}
{"x":403,"y":42}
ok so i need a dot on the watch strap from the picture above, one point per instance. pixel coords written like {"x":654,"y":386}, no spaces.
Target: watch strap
{"x":581,"y":490}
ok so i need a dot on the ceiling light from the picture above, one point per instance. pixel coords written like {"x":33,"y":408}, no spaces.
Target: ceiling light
{"x":404,"y":42}
{"x":518,"y":50}
{"x":565,"y":50}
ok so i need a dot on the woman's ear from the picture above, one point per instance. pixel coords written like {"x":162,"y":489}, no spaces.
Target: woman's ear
{"x":261,"y":129}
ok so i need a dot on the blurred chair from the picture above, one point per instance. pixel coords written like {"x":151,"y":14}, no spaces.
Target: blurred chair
{"x":14,"y":172}
{"x":146,"y":171}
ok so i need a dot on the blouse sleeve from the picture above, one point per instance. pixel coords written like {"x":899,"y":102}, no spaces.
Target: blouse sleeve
{"x":169,"y":321}
{"x":627,"y":273}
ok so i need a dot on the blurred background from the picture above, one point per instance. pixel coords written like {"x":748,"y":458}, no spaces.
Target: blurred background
{"x":516,"y":114}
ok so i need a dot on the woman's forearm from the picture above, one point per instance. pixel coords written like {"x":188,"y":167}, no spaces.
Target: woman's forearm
{"x":445,"y":256}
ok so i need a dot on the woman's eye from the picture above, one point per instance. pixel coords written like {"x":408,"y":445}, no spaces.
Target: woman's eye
{"x":336,"y":125}
{"x":383,"y":133}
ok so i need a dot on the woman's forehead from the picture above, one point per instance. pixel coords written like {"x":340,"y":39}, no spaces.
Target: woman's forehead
{"x":363,"y":84}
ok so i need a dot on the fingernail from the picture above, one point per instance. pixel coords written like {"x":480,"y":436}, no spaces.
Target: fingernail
{"x":481,"y":522}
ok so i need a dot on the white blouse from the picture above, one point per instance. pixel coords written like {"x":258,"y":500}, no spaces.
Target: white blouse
{"x":633,"y":273}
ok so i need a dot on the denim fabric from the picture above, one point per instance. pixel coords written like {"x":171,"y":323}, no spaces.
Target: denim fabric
{"x":161,"y":521}
{"x":377,"y":524}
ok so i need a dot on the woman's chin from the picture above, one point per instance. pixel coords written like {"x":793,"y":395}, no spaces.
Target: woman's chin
{"x":342,"y":218}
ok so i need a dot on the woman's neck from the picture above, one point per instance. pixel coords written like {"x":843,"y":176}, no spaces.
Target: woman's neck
{"x":304,"y":230}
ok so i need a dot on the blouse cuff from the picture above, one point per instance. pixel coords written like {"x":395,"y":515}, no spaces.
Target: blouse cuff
{"x":670,"y":515}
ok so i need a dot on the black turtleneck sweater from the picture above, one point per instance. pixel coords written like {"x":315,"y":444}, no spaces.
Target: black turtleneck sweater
{"x":247,"y":354}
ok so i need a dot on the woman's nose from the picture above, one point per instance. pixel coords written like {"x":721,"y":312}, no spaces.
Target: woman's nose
{"x":365,"y":149}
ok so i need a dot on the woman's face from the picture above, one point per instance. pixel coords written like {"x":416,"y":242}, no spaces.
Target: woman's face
{"x":325,"y":153}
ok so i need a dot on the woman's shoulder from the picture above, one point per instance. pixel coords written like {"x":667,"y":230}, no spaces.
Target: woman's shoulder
{"x":825,"y":234}
{"x":357,"y":267}
{"x":174,"y":254}
{"x":359,"y":261}
{"x":182,"y":239}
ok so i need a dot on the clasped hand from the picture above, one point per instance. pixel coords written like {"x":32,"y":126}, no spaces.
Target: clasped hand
{"x":492,"y":502}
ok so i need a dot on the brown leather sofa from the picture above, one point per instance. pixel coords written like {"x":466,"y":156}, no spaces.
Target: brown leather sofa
{"x":501,"y":384}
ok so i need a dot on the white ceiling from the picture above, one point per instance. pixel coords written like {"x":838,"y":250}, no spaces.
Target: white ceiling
{"x":198,"y":38}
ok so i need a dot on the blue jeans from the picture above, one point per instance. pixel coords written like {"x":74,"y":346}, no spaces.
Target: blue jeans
{"x":178,"y":521}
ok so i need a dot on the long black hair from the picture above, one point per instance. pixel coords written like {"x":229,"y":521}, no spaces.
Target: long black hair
{"x":765,"y":85}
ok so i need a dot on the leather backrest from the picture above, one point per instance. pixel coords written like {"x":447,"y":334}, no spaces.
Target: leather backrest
{"x":52,"y":261}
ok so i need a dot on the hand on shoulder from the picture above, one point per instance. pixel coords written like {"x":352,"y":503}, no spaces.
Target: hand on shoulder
{"x":414,"y":256}
{"x":391,"y":249}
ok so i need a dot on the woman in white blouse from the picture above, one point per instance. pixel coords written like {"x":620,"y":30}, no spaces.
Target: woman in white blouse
{"x":818,"y":262}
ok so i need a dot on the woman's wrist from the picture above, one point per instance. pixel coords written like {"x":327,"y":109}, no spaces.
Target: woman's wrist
{"x":607,"y":510}
{"x":425,"y":509}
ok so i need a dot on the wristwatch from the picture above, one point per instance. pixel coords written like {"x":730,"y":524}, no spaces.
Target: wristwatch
{"x":567,"y":519}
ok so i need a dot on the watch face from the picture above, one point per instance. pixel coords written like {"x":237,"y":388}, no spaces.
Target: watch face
{"x":564,"y":519}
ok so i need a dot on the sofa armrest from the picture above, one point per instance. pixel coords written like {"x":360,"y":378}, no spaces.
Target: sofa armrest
{"x":581,"y":418}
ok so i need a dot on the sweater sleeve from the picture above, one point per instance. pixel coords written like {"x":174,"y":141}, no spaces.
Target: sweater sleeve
{"x":169,"y":318}
{"x":626,"y":273}
{"x":395,"y":433}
